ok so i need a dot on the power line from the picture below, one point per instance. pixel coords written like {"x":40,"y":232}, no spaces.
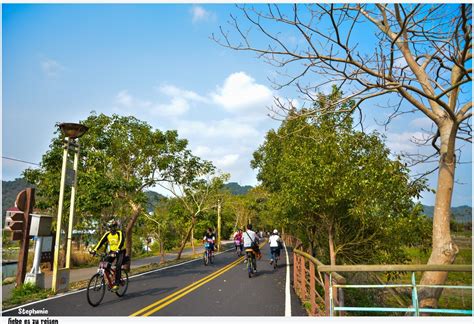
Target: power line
{"x":22,"y":161}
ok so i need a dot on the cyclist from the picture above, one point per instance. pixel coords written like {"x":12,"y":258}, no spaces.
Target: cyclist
{"x":209,"y":238}
{"x":238,"y":242}
{"x":275,"y":245}
{"x":116,"y":241}
{"x":251,"y":240}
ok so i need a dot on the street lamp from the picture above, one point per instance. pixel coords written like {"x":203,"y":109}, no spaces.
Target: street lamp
{"x":72,"y":133}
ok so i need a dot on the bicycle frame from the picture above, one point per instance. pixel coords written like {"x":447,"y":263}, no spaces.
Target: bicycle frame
{"x":107,"y":272}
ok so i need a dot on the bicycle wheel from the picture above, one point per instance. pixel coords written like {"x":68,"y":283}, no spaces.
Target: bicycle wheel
{"x":95,"y":289}
{"x":206,"y":258}
{"x":249,"y":265}
{"x":211,"y":258}
{"x":123,"y":284}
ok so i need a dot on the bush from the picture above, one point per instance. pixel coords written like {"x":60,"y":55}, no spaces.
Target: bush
{"x":27,"y":292}
{"x":81,"y":259}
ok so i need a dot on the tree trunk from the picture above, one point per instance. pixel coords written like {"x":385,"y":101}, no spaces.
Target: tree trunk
{"x":192,"y":241}
{"x":183,"y":244}
{"x":136,"y":209}
{"x":444,"y":250}
{"x":162,"y":250}
{"x":332,"y":254}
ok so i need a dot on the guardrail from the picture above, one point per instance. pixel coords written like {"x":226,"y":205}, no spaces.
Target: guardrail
{"x":415,"y":308}
{"x":312,"y":280}
{"x":310,"y":286}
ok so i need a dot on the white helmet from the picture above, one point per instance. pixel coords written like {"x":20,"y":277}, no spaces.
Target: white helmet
{"x":275,"y":231}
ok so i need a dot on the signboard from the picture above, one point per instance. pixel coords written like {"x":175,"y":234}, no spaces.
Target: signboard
{"x":62,"y":282}
{"x":47,"y":245}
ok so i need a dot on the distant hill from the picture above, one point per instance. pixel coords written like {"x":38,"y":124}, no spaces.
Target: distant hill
{"x":10,"y":190}
{"x":461,"y":214}
{"x":237,"y":189}
{"x":153,"y":199}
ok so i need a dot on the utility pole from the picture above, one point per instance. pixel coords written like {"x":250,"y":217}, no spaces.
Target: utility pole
{"x":219,"y":225}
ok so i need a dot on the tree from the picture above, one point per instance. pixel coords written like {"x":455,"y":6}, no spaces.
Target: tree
{"x":196,"y":184}
{"x":421,"y":53}
{"x":165,"y":225}
{"x":120,"y":158}
{"x":338,"y":186}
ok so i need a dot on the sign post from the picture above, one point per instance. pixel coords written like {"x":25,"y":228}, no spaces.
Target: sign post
{"x":25,"y":202}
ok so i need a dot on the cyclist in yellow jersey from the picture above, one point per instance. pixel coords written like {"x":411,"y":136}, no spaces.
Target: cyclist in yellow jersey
{"x":116,"y":241}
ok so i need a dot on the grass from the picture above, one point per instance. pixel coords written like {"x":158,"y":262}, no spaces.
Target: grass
{"x":26,"y":293}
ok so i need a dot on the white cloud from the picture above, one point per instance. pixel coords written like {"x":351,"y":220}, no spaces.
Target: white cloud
{"x":51,"y":67}
{"x":173,"y":91}
{"x":240,"y":92}
{"x":404,"y":142}
{"x":180,"y":101}
{"x":422,"y":122}
{"x":176,"y":107}
{"x":125,"y":99}
{"x":220,"y":129}
{"x":200,"y":14}
{"x":227,"y":161}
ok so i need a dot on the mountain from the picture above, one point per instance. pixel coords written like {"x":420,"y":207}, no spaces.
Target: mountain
{"x":460,"y":214}
{"x":237,"y":189}
{"x":153,"y":199}
{"x":10,"y":190}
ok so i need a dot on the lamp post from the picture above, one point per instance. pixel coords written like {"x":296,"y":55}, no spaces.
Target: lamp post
{"x":72,"y":133}
{"x":219,"y":225}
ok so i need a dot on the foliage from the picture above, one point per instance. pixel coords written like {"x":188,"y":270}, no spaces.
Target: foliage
{"x":120,"y":158}
{"x":26,"y":292}
{"x":338,"y":186}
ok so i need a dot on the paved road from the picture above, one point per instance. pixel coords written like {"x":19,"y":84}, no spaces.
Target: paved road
{"x":190,"y":289}
{"x":86,"y":273}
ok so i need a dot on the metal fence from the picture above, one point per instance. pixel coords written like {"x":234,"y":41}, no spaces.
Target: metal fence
{"x":321,"y":287}
{"x":415,"y":309}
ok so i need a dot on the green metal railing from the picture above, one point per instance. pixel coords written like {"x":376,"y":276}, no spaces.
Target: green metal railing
{"x":415,"y":309}
{"x":322,"y":286}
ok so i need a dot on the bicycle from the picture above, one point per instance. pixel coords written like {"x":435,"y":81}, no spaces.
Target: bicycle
{"x":275,"y":257}
{"x":104,"y":278}
{"x":251,"y":262}
{"x":238,"y":248}
{"x":208,"y":254}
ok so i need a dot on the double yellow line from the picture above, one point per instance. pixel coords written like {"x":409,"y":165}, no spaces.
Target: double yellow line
{"x":155,"y":307}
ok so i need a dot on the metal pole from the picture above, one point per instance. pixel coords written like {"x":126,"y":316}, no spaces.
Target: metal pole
{"x":331,"y":301}
{"x":71,"y":209}
{"x":219,"y":225}
{"x":37,"y":260}
{"x":414,"y":294}
{"x":60,"y":214}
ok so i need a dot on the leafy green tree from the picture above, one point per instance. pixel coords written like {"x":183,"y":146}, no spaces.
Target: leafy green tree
{"x":196,"y":184}
{"x":336,"y":185}
{"x":120,"y":158}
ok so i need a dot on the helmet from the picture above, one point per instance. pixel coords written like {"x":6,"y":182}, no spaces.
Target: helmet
{"x":113,"y":224}
{"x":275,"y":231}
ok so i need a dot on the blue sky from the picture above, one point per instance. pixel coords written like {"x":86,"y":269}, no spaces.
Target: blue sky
{"x":156,"y":62}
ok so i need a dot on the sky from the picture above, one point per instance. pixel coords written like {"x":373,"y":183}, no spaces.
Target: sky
{"x":157,"y":63}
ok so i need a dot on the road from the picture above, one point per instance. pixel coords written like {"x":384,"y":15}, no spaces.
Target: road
{"x":79,"y":274}
{"x":189,"y":289}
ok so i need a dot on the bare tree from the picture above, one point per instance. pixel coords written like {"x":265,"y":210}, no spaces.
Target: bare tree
{"x":419,"y":53}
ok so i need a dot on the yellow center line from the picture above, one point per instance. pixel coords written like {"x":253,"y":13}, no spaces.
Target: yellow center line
{"x":216,"y":273}
{"x":159,"y":307}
